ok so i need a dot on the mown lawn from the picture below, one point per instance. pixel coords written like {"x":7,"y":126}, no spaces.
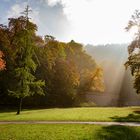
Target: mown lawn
{"x":68,"y":132}
{"x":75,"y":114}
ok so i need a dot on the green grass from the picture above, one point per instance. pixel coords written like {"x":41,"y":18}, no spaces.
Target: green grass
{"x":76,"y":114}
{"x":68,"y":132}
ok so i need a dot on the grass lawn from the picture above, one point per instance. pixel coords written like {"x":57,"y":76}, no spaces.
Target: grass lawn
{"x":68,"y":132}
{"x":76,"y":114}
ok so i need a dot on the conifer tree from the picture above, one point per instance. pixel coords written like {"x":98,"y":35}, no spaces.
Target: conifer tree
{"x":26,"y":84}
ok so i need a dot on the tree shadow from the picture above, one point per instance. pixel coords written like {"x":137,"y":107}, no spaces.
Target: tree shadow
{"x":118,"y":133}
{"x":133,"y":117}
{"x":5,"y":110}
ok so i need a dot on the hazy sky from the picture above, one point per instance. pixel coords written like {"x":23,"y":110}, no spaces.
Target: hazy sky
{"x":85,"y":21}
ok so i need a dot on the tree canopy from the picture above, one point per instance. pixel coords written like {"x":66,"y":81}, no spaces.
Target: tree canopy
{"x":134,"y":50}
{"x":45,"y":66}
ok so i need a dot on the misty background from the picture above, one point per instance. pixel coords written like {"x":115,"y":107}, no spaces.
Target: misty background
{"x":118,"y":81}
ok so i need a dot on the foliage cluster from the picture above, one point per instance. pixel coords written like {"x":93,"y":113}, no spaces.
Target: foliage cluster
{"x":44,"y":66}
{"x":134,"y":50}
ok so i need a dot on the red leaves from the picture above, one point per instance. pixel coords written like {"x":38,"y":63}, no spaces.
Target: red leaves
{"x":2,"y":62}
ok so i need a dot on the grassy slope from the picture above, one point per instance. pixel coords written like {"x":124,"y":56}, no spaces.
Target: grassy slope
{"x":68,"y":132}
{"x":76,"y":114}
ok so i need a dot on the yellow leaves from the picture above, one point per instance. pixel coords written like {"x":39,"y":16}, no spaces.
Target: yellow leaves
{"x":97,"y":81}
{"x":93,"y":80}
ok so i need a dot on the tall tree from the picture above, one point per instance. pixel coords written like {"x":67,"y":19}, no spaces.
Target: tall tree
{"x":91,"y":75}
{"x":134,"y":50}
{"x":23,"y":32}
{"x":64,"y":81}
{"x":6,"y":76}
{"x":60,"y":74}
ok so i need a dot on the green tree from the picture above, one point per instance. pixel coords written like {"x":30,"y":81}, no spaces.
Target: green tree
{"x":23,"y":32}
{"x":134,"y":50}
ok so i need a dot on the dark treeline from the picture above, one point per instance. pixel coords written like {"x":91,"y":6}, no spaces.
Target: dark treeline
{"x":44,"y":72}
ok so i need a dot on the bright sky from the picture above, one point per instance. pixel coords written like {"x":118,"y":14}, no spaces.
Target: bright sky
{"x":85,"y":21}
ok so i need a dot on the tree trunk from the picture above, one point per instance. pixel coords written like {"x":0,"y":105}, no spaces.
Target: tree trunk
{"x":19,"y":106}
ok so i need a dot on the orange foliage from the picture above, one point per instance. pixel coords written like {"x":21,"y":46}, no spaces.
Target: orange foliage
{"x":2,"y":62}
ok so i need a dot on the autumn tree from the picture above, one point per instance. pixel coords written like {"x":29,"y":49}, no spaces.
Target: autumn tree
{"x":64,"y":82}
{"x":6,"y":76}
{"x":67,"y":70}
{"x":2,"y":62}
{"x":60,"y":74}
{"x":134,"y":50}
{"x":91,"y":75}
{"x":92,"y":80}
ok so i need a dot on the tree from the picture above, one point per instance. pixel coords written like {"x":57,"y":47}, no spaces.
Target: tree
{"x":134,"y":51}
{"x":91,"y":75}
{"x":23,"y":31}
{"x":67,"y":69}
{"x":2,"y":62}
{"x":92,"y":80}
{"x":60,"y":74}
{"x":48,"y":38}
{"x":65,"y":80}
{"x":7,"y":76}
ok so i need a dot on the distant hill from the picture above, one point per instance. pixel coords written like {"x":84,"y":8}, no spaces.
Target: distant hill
{"x":119,"y":84}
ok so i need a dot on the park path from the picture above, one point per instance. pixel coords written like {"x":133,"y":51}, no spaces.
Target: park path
{"x":71,"y":122}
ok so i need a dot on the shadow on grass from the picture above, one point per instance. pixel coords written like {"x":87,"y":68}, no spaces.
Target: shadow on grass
{"x":118,"y":133}
{"x":6,"y":111}
{"x":133,"y":117}
{"x":121,"y":132}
